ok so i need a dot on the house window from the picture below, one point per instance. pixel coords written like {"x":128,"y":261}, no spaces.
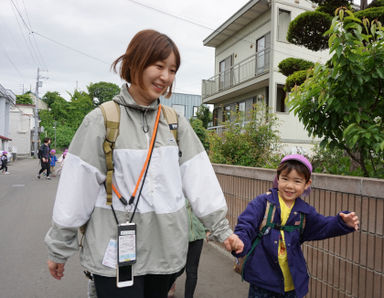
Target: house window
{"x":262,"y":53}
{"x":225,"y":73}
{"x":283,"y":22}
{"x":180,"y":109}
{"x":280,"y":99}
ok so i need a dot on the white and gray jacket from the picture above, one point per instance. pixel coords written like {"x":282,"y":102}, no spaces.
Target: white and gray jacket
{"x":161,"y":216}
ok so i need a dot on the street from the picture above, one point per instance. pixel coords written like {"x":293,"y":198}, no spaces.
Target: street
{"x":25,"y":215}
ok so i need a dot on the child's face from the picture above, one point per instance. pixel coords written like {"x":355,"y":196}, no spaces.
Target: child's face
{"x":292,"y":185}
{"x":156,"y":80}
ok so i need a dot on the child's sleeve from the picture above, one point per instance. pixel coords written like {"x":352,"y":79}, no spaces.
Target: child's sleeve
{"x":248,"y":223}
{"x":320,"y":227}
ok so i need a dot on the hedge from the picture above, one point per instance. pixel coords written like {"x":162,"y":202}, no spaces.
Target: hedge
{"x":297,"y":78}
{"x":371,"y":14}
{"x":307,"y":29}
{"x":290,"y":65}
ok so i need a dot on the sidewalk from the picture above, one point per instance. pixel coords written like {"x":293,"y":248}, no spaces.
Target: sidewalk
{"x":216,"y":277}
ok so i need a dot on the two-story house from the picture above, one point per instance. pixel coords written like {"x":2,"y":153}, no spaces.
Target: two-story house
{"x":248,"y":48}
{"x":7,"y":99}
{"x":22,"y":125}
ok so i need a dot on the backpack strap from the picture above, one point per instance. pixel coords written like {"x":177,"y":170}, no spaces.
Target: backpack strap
{"x":264,"y":229}
{"x":111,"y":114}
{"x":172,"y":120}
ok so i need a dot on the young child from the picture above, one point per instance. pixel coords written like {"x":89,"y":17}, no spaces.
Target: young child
{"x":53,"y":161}
{"x":4,"y":162}
{"x":276,"y":267}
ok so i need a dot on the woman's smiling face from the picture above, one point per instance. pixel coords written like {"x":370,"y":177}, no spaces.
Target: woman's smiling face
{"x":157,"y":78}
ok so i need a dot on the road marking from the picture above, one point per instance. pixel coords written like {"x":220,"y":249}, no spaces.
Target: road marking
{"x":18,"y":185}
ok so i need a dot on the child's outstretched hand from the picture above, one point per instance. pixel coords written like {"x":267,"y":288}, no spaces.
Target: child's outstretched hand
{"x":233,"y":242}
{"x":351,"y":220}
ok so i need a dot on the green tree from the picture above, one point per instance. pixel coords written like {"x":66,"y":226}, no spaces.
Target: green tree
{"x":343,"y":103}
{"x":204,"y":114}
{"x":252,"y":143}
{"x":103,"y":91}
{"x":200,"y":131}
{"x":50,"y":97}
{"x":81,"y":105}
{"x":24,"y":99}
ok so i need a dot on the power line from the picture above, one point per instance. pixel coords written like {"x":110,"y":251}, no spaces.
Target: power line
{"x":186,"y":20}
{"x":171,"y":15}
{"x":21,"y":17}
{"x":23,"y":36}
{"x":36,"y":44}
{"x":70,"y":48}
{"x":33,"y":45}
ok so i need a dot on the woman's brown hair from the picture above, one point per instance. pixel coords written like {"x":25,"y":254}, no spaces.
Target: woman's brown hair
{"x":146,"y":48}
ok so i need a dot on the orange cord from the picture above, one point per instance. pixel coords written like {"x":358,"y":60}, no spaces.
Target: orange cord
{"x":147,"y":159}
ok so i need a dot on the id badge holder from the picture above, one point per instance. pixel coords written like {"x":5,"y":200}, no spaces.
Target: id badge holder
{"x":126,"y":254}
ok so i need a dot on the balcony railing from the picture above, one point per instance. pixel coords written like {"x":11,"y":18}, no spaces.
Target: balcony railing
{"x":250,"y":68}
{"x":7,"y":93}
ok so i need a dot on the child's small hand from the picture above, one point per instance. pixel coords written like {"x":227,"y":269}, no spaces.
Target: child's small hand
{"x":351,"y":220}
{"x":233,"y":242}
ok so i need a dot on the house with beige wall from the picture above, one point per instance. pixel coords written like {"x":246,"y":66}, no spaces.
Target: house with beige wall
{"x":248,"y":48}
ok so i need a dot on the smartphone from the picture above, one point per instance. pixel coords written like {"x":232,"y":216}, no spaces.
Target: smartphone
{"x":126,"y":254}
{"x":124,"y":277}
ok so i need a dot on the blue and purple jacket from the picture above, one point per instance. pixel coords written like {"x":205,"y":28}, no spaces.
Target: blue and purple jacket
{"x":262,"y":267}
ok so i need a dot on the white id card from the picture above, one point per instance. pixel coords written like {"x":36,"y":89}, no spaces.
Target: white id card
{"x":126,"y":244}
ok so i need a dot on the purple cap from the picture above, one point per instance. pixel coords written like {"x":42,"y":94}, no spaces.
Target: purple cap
{"x":299,"y":158}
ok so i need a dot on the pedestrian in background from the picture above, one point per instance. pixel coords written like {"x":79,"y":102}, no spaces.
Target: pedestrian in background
{"x":276,"y":267}
{"x":53,"y":161}
{"x":197,"y":234}
{"x":45,"y":158}
{"x":4,"y":163}
{"x":178,"y":169}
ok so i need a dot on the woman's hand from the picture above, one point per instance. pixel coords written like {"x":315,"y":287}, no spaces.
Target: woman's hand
{"x":351,"y":220}
{"x":56,"y":269}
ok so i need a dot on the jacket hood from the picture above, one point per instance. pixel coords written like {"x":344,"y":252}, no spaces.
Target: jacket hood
{"x":124,"y":98}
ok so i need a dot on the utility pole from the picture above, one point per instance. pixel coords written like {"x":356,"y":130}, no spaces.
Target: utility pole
{"x":36,"y":129}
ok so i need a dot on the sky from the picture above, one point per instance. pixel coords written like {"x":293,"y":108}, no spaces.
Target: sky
{"x":74,"y":42}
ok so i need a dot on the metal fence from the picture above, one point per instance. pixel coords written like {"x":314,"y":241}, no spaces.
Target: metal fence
{"x":346,"y":266}
{"x":253,"y":66}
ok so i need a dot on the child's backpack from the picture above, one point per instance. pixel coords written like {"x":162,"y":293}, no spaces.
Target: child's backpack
{"x":111,"y":114}
{"x":265,"y":227}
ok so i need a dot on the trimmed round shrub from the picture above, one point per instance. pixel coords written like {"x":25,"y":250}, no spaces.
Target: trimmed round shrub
{"x":297,"y":78}
{"x":376,"y":3}
{"x":290,"y":65}
{"x":371,"y":14}
{"x":308,"y":28}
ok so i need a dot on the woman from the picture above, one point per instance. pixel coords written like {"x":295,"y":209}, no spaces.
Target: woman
{"x":176,"y":170}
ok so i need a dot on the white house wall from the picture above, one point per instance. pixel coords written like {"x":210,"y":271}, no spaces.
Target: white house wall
{"x":242,"y":45}
{"x":20,"y":128}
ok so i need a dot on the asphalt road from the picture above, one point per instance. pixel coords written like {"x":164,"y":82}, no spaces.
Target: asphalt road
{"x":25,"y":216}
